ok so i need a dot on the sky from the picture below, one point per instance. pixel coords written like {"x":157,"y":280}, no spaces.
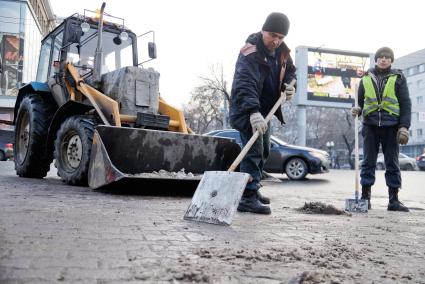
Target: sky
{"x":191,"y":36}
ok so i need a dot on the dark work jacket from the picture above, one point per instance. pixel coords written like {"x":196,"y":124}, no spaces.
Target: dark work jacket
{"x":252,"y":69}
{"x":383,"y":118}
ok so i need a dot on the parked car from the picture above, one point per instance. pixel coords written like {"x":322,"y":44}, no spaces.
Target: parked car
{"x":295,"y":161}
{"x":420,"y":161}
{"x":6,"y":151}
{"x":6,"y":146}
{"x":406,"y":163}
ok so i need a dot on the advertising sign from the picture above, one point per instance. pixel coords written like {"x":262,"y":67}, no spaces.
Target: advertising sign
{"x":10,"y":64}
{"x":333,"y":77}
{"x":329,"y":77}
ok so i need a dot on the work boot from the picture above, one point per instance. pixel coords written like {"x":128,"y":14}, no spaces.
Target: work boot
{"x":366,"y":193}
{"x":394,"y":204}
{"x":250,"y":203}
{"x":262,"y":198}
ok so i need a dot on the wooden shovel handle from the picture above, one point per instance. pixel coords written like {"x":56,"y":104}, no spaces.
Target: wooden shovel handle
{"x":254,"y":137}
{"x":356,"y":147}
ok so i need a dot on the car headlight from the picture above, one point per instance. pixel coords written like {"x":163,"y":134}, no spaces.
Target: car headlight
{"x":318,"y":155}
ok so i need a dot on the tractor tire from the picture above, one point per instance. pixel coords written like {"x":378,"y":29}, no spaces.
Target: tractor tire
{"x":296,"y":169}
{"x":72,"y":149}
{"x":32,"y":123}
{"x":2,"y":156}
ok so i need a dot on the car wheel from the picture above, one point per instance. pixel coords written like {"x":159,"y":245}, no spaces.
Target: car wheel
{"x":408,"y":167}
{"x":380,"y":166}
{"x":296,"y":169}
{"x":72,"y":149}
{"x":2,"y":156}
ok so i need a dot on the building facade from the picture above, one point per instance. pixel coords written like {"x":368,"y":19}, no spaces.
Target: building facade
{"x":413,"y":66}
{"x":23,"y":24}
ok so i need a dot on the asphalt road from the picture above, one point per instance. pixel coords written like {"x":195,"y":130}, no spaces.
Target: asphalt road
{"x":50,"y":233}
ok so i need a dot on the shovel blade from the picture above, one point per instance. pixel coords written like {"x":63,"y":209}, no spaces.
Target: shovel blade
{"x":217,"y":197}
{"x":356,"y":205}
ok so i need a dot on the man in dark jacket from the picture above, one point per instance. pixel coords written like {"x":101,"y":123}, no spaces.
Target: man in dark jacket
{"x":384,"y":101}
{"x":263,"y":70}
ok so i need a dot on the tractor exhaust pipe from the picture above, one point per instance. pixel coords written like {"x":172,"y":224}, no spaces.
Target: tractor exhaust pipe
{"x":98,"y":56}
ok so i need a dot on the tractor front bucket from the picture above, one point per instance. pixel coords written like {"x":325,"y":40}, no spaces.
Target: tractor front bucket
{"x":144,"y":160}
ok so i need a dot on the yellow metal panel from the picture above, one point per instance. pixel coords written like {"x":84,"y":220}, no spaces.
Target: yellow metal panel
{"x":177,"y":121}
{"x":106,"y":107}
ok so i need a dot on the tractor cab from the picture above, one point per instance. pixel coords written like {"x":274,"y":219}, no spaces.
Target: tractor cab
{"x":76,"y":41}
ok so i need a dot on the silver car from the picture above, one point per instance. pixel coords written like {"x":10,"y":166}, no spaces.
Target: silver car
{"x":406,"y":163}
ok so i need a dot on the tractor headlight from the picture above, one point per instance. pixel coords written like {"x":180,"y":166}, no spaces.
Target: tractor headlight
{"x":123,"y":36}
{"x":85,"y":27}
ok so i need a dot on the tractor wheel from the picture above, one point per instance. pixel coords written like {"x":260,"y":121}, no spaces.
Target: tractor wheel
{"x":72,"y":149}
{"x":32,"y":123}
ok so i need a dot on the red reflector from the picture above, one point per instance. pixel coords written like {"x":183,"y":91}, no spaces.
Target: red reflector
{"x":9,"y":145}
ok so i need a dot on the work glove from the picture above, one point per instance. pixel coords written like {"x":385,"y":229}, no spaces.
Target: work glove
{"x":258,"y":123}
{"x":402,"y":135}
{"x":290,"y":92}
{"x":355,"y":111}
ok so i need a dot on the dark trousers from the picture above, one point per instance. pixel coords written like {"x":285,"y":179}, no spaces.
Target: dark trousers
{"x":254,"y":161}
{"x":373,"y":136}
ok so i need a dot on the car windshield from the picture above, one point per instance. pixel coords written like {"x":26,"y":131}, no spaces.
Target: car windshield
{"x":116,"y":52}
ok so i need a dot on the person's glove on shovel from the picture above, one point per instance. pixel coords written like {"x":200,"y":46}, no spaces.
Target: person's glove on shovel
{"x":290,"y":92}
{"x":403,"y":135}
{"x":258,"y":123}
{"x":355,"y":111}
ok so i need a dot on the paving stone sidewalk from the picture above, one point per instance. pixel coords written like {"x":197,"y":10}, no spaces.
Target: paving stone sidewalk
{"x":50,"y":233}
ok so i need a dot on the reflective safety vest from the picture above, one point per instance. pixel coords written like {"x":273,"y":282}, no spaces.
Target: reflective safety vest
{"x":389,"y":100}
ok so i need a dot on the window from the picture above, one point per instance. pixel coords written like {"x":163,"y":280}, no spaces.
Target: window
{"x":419,"y":132}
{"x":10,"y":16}
{"x":43,"y":63}
{"x":420,"y":84}
{"x":116,"y":53}
{"x":57,"y":44}
{"x":419,"y":100}
{"x":422,"y":68}
{"x":410,"y":133}
{"x":411,"y":71}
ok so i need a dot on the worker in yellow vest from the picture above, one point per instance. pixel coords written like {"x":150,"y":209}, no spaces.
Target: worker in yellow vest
{"x":384,"y":103}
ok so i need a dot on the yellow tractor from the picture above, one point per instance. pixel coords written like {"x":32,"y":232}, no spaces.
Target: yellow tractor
{"x":97,"y":112}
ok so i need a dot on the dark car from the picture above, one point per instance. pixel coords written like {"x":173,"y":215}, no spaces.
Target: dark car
{"x":295,"y":161}
{"x":420,"y":161}
{"x":6,"y":146}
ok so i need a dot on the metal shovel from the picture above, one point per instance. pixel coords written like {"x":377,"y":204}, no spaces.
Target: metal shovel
{"x":218,"y":194}
{"x":356,"y":204}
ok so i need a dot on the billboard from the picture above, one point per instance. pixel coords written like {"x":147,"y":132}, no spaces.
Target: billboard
{"x":329,"y":77}
{"x":333,"y":77}
{"x":10,"y":63}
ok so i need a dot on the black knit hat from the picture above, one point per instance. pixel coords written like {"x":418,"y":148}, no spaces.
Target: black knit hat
{"x":384,"y":51}
{"x":277,"y":23}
